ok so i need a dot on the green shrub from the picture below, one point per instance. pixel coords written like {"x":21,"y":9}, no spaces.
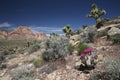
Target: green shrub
{"x":115,"y":38}
{"x":81,"y":47}
{"x":111,"y":70}
{"x":3,"y":55}
{"x":101,"y":34}
{"x":27,"y":78}
{"x":96,"y":76}
{"x":89,"y":34}
{"x":56,"y":48}
{"x":4,"y":52}
{"x":2,"y":58}
{"x":11,"y":56}
{"x":33,"y":48}
{"x":48,"y":68}
{"x":21,"y":51}
{"x":22,"y":72}
{"x":37,"y":62}
{"x":71,"y":48}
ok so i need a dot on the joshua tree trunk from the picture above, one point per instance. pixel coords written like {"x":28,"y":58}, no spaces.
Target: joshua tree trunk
{"x":98,"y":20}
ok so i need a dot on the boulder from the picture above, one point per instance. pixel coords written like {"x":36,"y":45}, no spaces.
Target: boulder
{"x":113,"y":31}
{"x":74,"y":40}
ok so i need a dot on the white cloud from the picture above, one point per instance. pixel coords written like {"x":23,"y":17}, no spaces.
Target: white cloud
{"x":5,"y":24}
{"x":47,"y":30}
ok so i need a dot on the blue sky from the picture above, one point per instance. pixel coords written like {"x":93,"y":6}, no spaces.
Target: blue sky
{"x":51,"y":15}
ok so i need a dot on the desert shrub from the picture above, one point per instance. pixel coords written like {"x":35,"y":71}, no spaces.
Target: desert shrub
{"x":33,"y":48}
{"x":71,"y":48}
{"x":27,"y":78}
{"x":96,"y":76}
{"x":3,"y":66}
{"x":115,"y":38}
{"x":12,"y":43}
{"x":49,"y":68}
{"x":12,"y":52}
{"x":30,"y":58}
{"x":89,"y":34}
{"x":11,"y":56}
{"x":8,"y":53}
{"x":4,"y":52}
{"x":111,"y":70}
{"x":3,"y":55}
{"x":101,"y":34}
{"x":22,"y":72}
{"x":21,"y":50}
{"x":2,"y":58}
{"x":37,"y":62}
{"x":81,"y":47}
{"x":75,"y":32}
{"x":118,"y":26}
{"x":56,"y":48}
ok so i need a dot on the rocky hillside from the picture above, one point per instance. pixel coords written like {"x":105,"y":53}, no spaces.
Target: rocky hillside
{"x":20,"y":33}
{"x":58,"y":57}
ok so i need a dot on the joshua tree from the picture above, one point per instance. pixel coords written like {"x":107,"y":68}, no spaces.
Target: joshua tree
{"x":96,"y":13}
{"x":53,"y":34}
{"x":67,"y":30}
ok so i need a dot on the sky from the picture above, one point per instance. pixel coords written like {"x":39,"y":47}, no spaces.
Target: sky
{"x":52,"y":15}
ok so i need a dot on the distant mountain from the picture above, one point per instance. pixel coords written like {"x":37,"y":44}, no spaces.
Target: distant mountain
{"x":20,"y":33}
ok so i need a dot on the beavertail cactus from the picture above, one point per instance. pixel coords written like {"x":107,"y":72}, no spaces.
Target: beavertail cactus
{"x":88,"y":58}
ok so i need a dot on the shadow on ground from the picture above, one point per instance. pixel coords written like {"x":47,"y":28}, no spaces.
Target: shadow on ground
{"x":84,"y":69}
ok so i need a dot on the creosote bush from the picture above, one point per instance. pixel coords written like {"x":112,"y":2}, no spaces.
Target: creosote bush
{"x":88,"y":34}
{"x":27,"y":78}
{"x":111,"y":70}
{"x":115,"y":38}
{"x":71,"y":48}
{"x":22,"y":72}
{"x":33,"y":48}
{"x":56,"y":48}
{"x":37,"y":62}
{"x":101,"y":34}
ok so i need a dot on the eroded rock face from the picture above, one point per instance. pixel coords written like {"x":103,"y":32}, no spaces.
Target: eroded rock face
{"x":40,"y":36}
{"x":3,"y":34}
{"x":21,"y":32}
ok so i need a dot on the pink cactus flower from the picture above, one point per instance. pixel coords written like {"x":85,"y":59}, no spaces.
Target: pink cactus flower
{"x":82,"y":55}
{"x":88,"y":50}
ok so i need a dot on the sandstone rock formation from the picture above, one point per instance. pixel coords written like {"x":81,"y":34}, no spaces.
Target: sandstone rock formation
{"x":3,"y":34}
{"x":40,"y":35}
{"x":21,"y":32}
